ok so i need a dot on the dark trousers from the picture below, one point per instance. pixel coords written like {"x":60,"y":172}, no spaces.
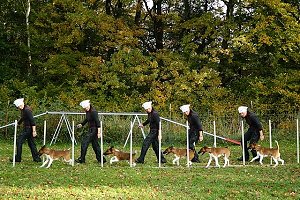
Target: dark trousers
{"x":193,"y":139}
{"x":151,"y":138}
{"x":26,"y":134}
{"x":91,"y":137}
{"x":252,"y":137}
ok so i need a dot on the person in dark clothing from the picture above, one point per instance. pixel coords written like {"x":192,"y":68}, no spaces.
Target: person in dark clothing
{"x":152,"y":138}
{"x":254,"y":132}
{"x":93,"y":134}
{"x":195,"y":129}
{"x":29,"y":131}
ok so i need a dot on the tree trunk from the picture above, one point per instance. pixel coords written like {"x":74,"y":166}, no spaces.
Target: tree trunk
{"x":138,"y":12}
{"x":158,"y":25}
{"x":28,"y":38}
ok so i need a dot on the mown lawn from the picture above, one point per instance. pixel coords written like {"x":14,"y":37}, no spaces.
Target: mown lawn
{"x":147,"y":181}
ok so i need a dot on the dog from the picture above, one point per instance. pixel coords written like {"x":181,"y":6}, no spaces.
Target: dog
{"x":179,"y":153}
{"x":265,"y":152}
{"x":54,"y":155}
{"x":215,"y":153}
{"x":119,"y":155}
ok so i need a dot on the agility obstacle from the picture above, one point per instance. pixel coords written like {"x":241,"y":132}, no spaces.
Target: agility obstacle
{"x":71,"y":131}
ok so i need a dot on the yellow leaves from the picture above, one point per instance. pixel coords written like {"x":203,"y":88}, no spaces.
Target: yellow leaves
{"x":264,"y":39}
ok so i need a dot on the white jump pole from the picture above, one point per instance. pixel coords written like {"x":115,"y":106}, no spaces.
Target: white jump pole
{"x":73,"y":140}
{"x":101,"y":143}
{"x":131,"y":131}
{"x":45,"y":131}
{"x":15,"y":143}
{"x":187,"y":145}
{"x":270,"y":136}
{"x":159,"y":145}
{"x":243,"y":143}
{"x":297,"y":122}
{"x":215,"y":135}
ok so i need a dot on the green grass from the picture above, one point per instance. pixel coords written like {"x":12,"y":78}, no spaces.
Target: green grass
{"x":147,"y":181}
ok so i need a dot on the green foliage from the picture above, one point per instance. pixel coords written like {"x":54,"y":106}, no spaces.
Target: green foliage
{"x":192,"y":52}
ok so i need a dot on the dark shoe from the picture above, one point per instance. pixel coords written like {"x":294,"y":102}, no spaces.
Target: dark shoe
{"x":195,"y":160}
{"x":139,"y":161}
{"x":163,"y":161}
{"x":11,"y":160}
{"x":37,"y":160}
{"x":241,"y":159}
{"x":79,"y":160}
{"x":104,"y":161}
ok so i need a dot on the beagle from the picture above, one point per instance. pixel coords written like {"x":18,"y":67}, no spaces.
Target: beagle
{"x":54,"y":155}
{"x":179,"y":153}
{"x":264,"y":152}
{"x":119,"y":155}
{"x":215,"y":153}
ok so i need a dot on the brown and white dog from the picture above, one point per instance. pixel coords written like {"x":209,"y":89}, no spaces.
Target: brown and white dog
{"x":264,"y":152}
{"x":216,"y":152}
{"x":54,"y":155}
{"x":179,"y":153}
{"x":119,"y":155}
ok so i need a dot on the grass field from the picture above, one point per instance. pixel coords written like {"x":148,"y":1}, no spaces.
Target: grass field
{"x":147,"y":181}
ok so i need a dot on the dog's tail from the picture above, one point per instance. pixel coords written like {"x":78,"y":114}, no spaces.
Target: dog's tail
{"x":277,"y":145}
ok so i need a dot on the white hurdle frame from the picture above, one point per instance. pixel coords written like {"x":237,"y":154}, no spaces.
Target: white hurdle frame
{"x":73,"y":141}
{"x":159,"y":144}
{"x":136,"y":114}
{"x":243,"y":143}
{"x":131,"y":128}
{"x":101,"y":142}
{"x":15,"y":143}
{"x":187,"y":145}
{"x":215,"y":135}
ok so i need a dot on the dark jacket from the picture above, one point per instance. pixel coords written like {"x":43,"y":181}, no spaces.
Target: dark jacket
{"x":194,"y":122}
{"x":91,"y":118}
{"x":27,"y":117}
{"x":253,"y":122}
{"x":153,"y":119}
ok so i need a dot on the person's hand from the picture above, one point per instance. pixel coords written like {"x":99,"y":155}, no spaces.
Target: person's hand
{"x":141,"y":126}
{"x":79,"y":125}
{"x":262,"y":137}
{"x":99,"y":135}
{"x":34,"y":134}
{"x":200,"y":136}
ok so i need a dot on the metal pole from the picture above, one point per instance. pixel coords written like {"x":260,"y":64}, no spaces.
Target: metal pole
{"x":215,"y":135}
{"x":15,"y":143}
{"x":187,"y":145}
{"x":128,"y":136}
{"x":101,"y":142}
{"x":243,"y":142}
{"x":142,"y":129}
{"x":159,"y":145}
{"x":270,"y":136}
{"x":73,"y":140}
{"x":45,"y":132}
{"x":131,"y":128}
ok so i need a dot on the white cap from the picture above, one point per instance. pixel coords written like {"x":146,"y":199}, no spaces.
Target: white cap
{"x":242,"y":109}
{"x":185,"y":108}
{"x":85,"y":103}
{"x":147,"y":105}
{"x":19,"y":102}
